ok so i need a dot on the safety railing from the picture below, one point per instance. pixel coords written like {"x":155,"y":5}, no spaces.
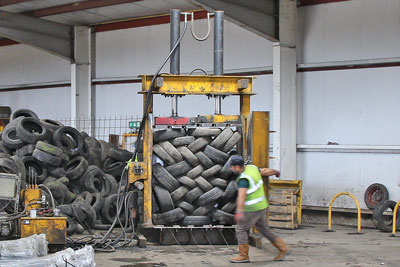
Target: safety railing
{"x":358,"y":211}
{"x":395,"y":218}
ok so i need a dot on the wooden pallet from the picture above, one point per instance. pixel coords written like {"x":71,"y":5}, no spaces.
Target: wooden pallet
{"x":283,"y":208}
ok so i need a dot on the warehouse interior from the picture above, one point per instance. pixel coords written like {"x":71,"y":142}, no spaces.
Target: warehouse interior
{"x":324,"y":72}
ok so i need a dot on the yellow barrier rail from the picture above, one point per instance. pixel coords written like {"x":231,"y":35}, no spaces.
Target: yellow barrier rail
{"x":358,"y":211}
{"x":395,"y":218}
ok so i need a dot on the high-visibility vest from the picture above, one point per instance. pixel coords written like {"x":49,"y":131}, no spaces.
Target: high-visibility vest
{"x":255,"y":199}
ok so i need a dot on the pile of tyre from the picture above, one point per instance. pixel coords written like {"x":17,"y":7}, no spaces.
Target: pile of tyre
{"x":376,"y":198}
{"x":81,"y":173}
{"x":194,"y":184}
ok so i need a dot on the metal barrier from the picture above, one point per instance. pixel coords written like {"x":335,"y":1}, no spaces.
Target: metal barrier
{"x":358,"y":211}
{"x":395,"y":218}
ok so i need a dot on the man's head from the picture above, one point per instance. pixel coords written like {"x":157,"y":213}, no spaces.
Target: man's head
{"x":237,"y":164}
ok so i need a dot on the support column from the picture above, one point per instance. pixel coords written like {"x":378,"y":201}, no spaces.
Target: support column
{"x":81,"y":86}
{"x":284,"y":92}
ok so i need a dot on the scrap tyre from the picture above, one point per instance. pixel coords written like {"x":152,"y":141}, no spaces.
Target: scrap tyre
{"x":31,"y":130}
{"x":27,"y":113}
{"x":379,"y":220}
{"x":164,"y":199}
{"x":76,"y":167}
{"x":169,"y":216}
{"x":375,"y":194}
{"x":196,"y":220}
{"x":46,"y":158}
{"x":216,"y":155}
{"x":165,"y":178}
{"x":76,"y":136}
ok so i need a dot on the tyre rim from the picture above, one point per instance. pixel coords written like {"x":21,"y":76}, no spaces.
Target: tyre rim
{"x":375,"y":195}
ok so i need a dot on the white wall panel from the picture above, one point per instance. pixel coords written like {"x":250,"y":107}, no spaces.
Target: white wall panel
{"x":22,"y":64}
{"x":53,"y":103}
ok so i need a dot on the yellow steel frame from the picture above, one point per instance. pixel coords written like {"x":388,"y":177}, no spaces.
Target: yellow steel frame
{"x":189,"y":85}
{"x":358,"y":211}
{"x":124,"y":136}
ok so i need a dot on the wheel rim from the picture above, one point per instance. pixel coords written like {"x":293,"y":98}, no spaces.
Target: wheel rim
{"x":375,"y":195}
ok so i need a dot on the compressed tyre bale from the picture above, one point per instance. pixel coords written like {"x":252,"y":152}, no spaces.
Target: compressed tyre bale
{"x":26,"y":150}
{"x":210,"y":196}
{"x":229,"y":192}
{"x":160,"y":152}
{"x":172,"y":151}
{"x":211,"y":171}
{"x":164,"y":135}
{"x":76,"y":167}
{"x":220,"y":141}
{"x":223,"y":217}
{"x":193,"y":195}
{"x":182,"y":141}
{"x":195,"y":172}
{"x":169,"y":216}
{"x":189,"y":156}
{"x":196,"y":220}
{"x":165,"y":178}
{"x":46,"y":158}
{"x":27,"y":113}
{"x":186,"y":206}
{"x":30,"y":130}
{"x":203,"y":184}
{"x":216,"y":155}
{"x":179,"y":169}
{"x":231,"y":143}
{"x":189,"y":182}
{"x":74,"y":134}
{"x":179,"y":193}
{"x":203,"y":210}
{"x":52,"y":150}
{"x":201,"y":132}
{"x":164,"y":199}
{"x":229,"y":207}
{"x":204,"y":160}
{"x":10,"y":138}
{"x":198,"y":144}
{"x":218,"y":182}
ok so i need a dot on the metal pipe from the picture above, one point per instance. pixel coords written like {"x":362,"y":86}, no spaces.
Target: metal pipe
{"x":218,"y":52}
{"x":174,"y":62}
{"x":358,"y":211}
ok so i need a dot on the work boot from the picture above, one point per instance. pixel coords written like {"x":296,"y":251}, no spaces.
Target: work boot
{"x":243,"y":254}
{"x":281,"y":246}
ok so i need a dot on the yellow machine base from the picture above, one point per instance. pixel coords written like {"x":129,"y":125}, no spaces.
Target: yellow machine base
{"x":55,"y":228}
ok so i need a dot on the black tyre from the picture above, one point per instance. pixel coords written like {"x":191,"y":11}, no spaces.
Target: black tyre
{"x":4,"y":149}
{"x":231,"y":143}
{"x":56,"y":172}
{"x":165,"y":178}
{"x":36,"y":167}
{"x":10,"y":139}
{"x":27,"y":113}
{"x":85,"y":152}
{"x":375,"y":194}
{"x":203,"y":210}
{"x":109,"y":209}
{"x":179,"y":169}
{"x":223,"y":217}
{"x":229,"y":192}
{"x":26,"y":150}
{"x":20,"y":166}
{"x":169,"y":216}
{"x":186,"y":206}
{"x":8,"y":166}
{"x":119,"y":154}
{"x":168,"y":134}
{"x":59,"y":191}
{"x":88,"y":212}
{"x":216,"y":155}
{"x":46,"y":158}
{"x":383,"y":224}
{"x":164,"y":199}
{"x":226,"y":170}
{"x":199,"y":144}
{"x":211,"y":171}
{"x":51,"y":125}
{"x":193,"y":195}
{"x":196,"y":171}
{"x":172,"y":151}
{"x":211,"y":196}
{"x":52,"y":150}
{"x":95,"y":200}
{"x":159,"y":151}
{"x":204,"y":160}
{"x":182,"y":141}
{"x":189,"y":156}
{"x":84,"y":135}
{"x":94,"y":181}
{"x":104,"y":150}
{"x":179,"y":193}
{"x":201,"y":132}
{"x":76,"y":167}
{"x":189,"y":182}
{"x":220,"y":141}
{"x":229,"y":207}
{"x":111,"y":185}
{"x":30,"y":130}
{"x":218,"y":182}
{"x":196,"y":220}
{"x":49,"y":179}
{"x":113,"y":168}
{"x":203,"y":184}
{"x":74,"y":134}
{"x":71,"y":226}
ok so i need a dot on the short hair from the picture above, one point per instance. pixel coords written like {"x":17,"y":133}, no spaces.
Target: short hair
{"x":236,"y":160}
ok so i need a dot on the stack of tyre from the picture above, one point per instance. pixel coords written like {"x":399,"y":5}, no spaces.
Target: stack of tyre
{"x":194,"y":184}
{"x":81,"y":173}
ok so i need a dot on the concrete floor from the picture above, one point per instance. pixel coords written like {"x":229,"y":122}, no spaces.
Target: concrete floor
{"x":310,"y":246}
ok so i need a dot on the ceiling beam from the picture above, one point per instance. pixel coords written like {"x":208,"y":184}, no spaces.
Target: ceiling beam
{"x":318,"y":2}
{"x":73,"y":7}
{"x":12,"y":2}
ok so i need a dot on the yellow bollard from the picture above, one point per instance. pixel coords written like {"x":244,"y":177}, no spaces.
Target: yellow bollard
{"x":395,"y":218}
{"x":358,"y":211}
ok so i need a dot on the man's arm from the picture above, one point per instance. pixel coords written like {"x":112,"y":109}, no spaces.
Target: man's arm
{"x":240,"y":203}
{"x":269,"y":172}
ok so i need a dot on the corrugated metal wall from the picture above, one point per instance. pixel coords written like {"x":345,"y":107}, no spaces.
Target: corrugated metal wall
{"x":346,"y":106}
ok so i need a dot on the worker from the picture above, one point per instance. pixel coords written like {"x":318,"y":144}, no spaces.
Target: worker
{"x":251,"y":208}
